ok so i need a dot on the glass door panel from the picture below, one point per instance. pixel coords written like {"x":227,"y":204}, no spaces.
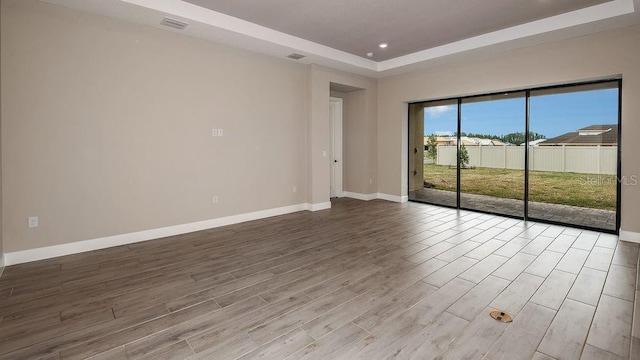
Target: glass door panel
{"x":573,"y":172}
{"x":492,"y":153}
{"x":432,"y":152}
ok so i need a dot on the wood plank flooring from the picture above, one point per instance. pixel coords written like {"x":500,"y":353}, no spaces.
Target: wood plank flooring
{"x":363,"y":280}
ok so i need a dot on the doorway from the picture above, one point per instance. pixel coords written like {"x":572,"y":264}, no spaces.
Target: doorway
{"x":335,"y":119}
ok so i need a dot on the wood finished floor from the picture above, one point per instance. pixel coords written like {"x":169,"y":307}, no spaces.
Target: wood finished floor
{"x":363,"y":280}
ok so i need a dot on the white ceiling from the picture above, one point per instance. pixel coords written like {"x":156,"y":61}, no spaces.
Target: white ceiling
{"x":408,"y":26}
{"x":339,"y":33}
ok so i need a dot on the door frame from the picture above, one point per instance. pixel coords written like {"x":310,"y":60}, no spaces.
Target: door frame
{"x":336,"y":158}
{"x":526,"y":217}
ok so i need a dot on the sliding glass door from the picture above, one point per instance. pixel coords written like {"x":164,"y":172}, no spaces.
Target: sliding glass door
{"x":492,"y":153}
{"x":572,"y":173}
{"x":547,"y":154}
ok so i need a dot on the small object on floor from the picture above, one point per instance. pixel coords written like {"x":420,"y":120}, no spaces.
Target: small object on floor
{"x":501,"y":315}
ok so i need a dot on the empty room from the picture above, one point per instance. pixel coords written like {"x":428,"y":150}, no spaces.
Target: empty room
{"x":208,"y":179}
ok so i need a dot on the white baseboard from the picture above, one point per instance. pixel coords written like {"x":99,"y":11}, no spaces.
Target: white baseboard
{"x":23,"y":256}
{"x":629,"y":236}
{"x":394,"y":198}
{"x":364,"y":197}
{"x":319,"y":206}
{"x":18,"y":257}
{"x":382,"y":196}
{"x":1,"y":265}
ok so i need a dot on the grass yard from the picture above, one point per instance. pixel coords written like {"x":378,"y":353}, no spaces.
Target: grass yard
{"x":584,"y":190}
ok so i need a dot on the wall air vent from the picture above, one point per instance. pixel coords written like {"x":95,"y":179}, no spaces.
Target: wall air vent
{"x":295,"y":56}
{"x":176,"y":24}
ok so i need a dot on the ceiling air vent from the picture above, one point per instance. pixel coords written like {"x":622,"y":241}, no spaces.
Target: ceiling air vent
{"x":295,"y":56}
{"x":176,"y":24}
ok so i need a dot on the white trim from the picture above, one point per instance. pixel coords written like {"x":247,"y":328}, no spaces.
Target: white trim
{"x":558,"y":22}
{"x":629,"y":236}
{"x":221,"y":28}
{"x":255,"y":34}
{"x":18,"y":257}
{"x":319,"y":206}
{"x":365,"y":197}
{"x":222,"y":21}
{"x":1,"y":265}
{"x":381,"y":196}
{"x":337,"y":180}
{"x":394,"y":198}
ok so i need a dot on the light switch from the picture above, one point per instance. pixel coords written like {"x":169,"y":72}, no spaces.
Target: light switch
{"x":33,"y":221}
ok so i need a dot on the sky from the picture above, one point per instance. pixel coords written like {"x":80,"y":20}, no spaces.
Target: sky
{"x":551,"y":115}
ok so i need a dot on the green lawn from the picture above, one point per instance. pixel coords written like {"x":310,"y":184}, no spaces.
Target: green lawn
{"x":584,"y":190}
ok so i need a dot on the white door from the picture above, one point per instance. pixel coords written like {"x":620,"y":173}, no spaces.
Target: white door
{"x":336,"y":146}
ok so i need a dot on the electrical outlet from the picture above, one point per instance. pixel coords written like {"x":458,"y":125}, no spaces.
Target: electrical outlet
{"x":295,"y":188}
{"x":215,"y":199}
{"x":33,"y":222}
{"x":370,"y":181}
{"x":214,"y":132}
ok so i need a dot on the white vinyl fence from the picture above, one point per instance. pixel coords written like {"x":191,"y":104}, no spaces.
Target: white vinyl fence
{"x":578,"y":159}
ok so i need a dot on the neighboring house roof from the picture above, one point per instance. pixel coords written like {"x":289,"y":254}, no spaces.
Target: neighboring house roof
{"x":534,"y":142}
{"x":599,"y":127}
{"x":590,"y":136}
{"x":442,"y":140}
{"x":467,"y":141}
{"x":498,"y":143}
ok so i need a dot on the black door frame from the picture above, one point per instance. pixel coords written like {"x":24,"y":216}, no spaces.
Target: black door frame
{"x":527,"y":92}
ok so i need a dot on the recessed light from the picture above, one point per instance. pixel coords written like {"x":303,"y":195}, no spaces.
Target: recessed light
{"x":383,"y":45}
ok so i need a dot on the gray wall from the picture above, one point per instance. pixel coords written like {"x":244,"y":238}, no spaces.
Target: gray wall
{"x":106,"y":127}
{"x":360,"y":133}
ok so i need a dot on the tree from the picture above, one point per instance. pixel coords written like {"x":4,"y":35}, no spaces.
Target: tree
{"x":514,"y":138}
{"x":432,"y":147}
{"x":535,"y":136}
{"x":463,"y":156}
{"x":517,"y":138}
